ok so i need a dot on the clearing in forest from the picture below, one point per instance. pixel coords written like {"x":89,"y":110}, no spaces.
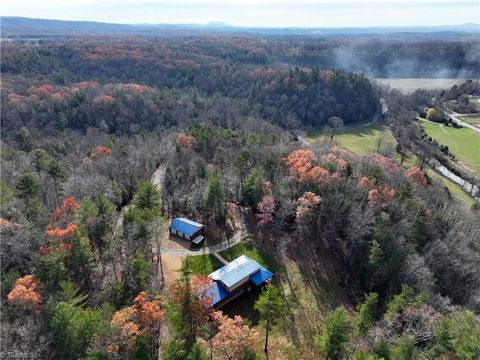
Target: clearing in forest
{"x":362,"y":139}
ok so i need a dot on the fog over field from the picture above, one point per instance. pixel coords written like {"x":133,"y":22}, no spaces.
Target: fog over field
{"x":409,"y":85}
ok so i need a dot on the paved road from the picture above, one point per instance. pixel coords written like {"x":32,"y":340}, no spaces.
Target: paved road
{"x":433,"y":123}
{"x":456,"y":117}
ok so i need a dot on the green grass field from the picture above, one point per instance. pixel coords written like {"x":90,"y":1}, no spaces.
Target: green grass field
{"x":205,"y":264}
{"x":362,"y":139}
{"x":247,"y":248}
{"x":463,"y":143}
{"x":476,"y":102}
{"x":471,"y":119}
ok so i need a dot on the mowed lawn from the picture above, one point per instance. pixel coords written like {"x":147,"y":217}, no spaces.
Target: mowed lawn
{"x":463,"y":143}
{"x":246,"y":247}
{"x":475,"y":101}
{"x":474,"y":120}
{"x":362,"y":139}
{"x":204,"y":264}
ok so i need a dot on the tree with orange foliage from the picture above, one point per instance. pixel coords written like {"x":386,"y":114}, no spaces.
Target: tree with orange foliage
{"x":186,"y":141}
{"x":380,"y":197}
{"x":104,"y":100}
{"x":301,"y":163}
{"x":6,"y":224}
{"x":61,"y":224}
{"x":62,"y":233}
{"x":322,"y":176}
{"x":149,"y":314}
{"x":99,"y":151}
{"x":64,"y":215}
{"x":338,"y":163}
{"x":26,"y":293}
{"x":234,"y":339}
{"x":143,"y":318}
{"x":306,"y":204}
{"x":366,"y":182}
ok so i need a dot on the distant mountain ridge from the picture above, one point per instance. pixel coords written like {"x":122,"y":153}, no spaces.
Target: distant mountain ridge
{"x":22,"y":27}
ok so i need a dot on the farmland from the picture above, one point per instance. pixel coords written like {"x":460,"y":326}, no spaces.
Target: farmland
{"x":408,"y":85}
{"x":463,"y":143}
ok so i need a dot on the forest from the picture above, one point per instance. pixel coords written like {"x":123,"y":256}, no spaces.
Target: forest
{"x":106,"y":139}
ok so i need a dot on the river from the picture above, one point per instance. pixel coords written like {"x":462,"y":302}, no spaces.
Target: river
{"x":467,"y":186}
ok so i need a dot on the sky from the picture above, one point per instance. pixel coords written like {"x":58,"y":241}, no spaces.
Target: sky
{"x":263,"y":13}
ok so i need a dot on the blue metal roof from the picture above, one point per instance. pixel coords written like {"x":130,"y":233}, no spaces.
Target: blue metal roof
{"x":216,"y":292}
{"x":261,"y":276}
{"x":185,"y":226}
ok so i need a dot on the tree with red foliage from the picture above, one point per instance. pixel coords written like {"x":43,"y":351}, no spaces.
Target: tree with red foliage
{"x":26,"y":293}
{"x":417,"y":177}
{"x":380,"y":197}
{"x":41,"y":90}
{"x":186,"y":141}
{"x":266,"y":209}
{"x":388,"y":164}
{"x":64,"y":215}
{"x":366,"y":182}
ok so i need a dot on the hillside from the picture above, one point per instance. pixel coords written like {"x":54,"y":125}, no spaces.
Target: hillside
{"x":214,"y":195}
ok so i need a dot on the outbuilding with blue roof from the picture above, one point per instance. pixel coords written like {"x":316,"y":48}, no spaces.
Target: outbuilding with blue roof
{"x":187,"y":229}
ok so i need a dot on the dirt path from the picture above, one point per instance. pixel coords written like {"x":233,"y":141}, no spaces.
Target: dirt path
{"x":158,"y":177}
{"x":171,"y":267}
{"x":220,"y":258}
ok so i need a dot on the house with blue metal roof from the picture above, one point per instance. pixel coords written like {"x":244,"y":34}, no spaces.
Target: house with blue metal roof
{"x":188,"y":230}
{"x":234,"y":279}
